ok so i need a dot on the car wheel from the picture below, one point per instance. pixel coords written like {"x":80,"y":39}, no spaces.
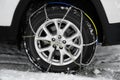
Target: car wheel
{"x":60,"y":37}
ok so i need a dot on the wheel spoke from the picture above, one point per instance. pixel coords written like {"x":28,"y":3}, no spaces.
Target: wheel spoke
{"x":73,"y":37}
{"x":50,"y":54}
{"x":47,"y":32}
{"x":76,"y":45}
{"x":56,"y":26}
{"x":61,"y":58}
{"x":68,"y":54}
{"x":44,"y":49}
{"x":65,"y":28}
{"x":71,"y":43}
{"x":42,"y":38}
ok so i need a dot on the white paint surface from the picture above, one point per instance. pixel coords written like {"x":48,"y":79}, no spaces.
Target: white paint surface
{"x":7,"y":9}
{"x":112,"y":8}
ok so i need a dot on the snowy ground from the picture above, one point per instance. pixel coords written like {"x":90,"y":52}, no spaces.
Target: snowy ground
{"x":18,"y":75}
{"x":105,"y":66}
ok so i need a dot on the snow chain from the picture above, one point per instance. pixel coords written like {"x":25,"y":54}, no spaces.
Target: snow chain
{"x":47,"y":19}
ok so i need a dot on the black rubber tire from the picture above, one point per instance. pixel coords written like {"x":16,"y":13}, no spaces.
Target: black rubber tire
{"x":73,"y":16}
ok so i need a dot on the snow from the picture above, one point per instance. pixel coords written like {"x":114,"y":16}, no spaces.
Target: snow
{"x":19,"y":75}
{"x":108,"y":57}
{"x":105,"y":66}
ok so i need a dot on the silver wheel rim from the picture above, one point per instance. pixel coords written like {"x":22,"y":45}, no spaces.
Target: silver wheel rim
{"x":58,"y":43}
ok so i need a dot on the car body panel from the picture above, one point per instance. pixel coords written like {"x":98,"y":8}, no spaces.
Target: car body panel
{"x":112,"y":9}
{"x":8,"y":7}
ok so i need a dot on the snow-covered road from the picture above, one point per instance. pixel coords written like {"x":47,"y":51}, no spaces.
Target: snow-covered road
{"x":18,"y":75}
{"x":106,"y":65}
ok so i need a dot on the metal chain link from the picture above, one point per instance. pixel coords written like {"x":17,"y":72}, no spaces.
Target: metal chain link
{"x":30,"y":23}
{"x":47,"y":18}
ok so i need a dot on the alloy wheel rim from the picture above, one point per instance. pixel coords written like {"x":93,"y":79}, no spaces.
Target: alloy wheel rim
{"x":58,"y":43}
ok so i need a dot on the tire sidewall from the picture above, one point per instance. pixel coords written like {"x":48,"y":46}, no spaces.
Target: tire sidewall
{"x":38,"y":20}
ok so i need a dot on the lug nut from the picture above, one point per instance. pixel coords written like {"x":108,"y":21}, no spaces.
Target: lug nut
{"x":54,"y":46}
{"x":61,"y":47}
{"x":64,"y":42}
{"x":59,"y":37}
{"x":53,"y":39}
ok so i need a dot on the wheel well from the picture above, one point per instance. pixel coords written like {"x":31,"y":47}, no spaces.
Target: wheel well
{"x":85,"y":5}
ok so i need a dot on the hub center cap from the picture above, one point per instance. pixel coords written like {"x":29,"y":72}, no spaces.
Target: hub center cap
{"x":58,"y":42}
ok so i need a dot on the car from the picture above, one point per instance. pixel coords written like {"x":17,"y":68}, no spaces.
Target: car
{"x":60,"y":35}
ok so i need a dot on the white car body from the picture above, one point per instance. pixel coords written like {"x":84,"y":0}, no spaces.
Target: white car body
{"x":112,"y":9}
{"x":8,"y":7}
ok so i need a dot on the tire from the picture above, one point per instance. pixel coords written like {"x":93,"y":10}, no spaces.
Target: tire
{"x":74,"y":56}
